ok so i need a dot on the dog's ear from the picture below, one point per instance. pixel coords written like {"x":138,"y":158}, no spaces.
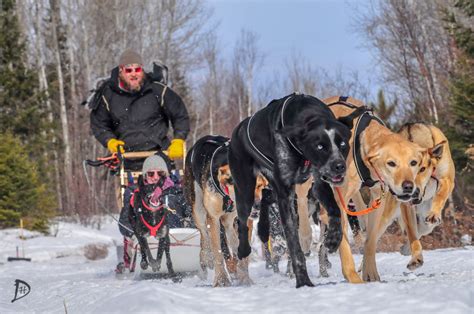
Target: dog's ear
{"x":437,"y":150}
{"x":371,"y":157}
{"x":140,"y":181}
{"x":349,"y":119}
{"x":292,"y":131}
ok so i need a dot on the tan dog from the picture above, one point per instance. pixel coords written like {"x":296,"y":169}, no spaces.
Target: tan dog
{"x":209,"y":188}
{"x":391,"y":162}
{"x":436,"y":182}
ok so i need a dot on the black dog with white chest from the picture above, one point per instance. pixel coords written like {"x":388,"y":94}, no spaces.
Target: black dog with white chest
{"x":150,"y":218}
{"x":289,"y":140}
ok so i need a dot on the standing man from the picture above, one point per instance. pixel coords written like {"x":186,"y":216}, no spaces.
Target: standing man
{"x":132,"y":111}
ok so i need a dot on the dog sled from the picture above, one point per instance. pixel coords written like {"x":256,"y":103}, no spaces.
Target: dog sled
{"x":184,"y":242}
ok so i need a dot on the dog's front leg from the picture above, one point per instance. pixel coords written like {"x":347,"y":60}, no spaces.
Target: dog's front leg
{"x":169,"y":263}
{"x":409,"y":219}
{"x":377,"y":222}
{"x":446,"y":187}
{"x":143,"y":250}
{"x":220,"y":277}
{"x":326,"y":197}
{"x":156,"y":263}
{"x":324,"y":262}
{"x":289,"y":219}
{"x":304,"y":229}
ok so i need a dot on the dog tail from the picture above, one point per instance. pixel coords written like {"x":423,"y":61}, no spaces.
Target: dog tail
{"x":189,"y":192}
{"x":264,"y":219}
{"x":349,"y":119}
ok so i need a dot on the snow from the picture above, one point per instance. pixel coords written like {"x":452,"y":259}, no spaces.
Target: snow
{"x":62,"y":278}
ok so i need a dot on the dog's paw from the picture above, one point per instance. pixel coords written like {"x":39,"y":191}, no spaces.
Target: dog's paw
{"x":334,"y":235}
{"x":415,"y":262}
{"x":244,"y":250}
{"x":222,"y":281}
{"x":433,"y":218}
{"x":176,"y":278}
{"x":371,"y":276}
{"x":304,"y":283}
{"x":144,"y":264}
{"x":323,"y":272}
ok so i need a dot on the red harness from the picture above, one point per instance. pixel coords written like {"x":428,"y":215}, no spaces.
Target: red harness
{"x":153,"y":229}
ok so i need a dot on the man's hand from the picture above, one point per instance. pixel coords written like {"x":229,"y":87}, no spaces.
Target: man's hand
{"x":176,"y":149}
{"x":113,"y":145}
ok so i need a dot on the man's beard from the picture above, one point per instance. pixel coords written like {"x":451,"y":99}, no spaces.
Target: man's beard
{"x":135,"y":87}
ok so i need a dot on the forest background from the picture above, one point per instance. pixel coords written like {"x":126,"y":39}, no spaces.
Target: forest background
{"x":53,"y":53}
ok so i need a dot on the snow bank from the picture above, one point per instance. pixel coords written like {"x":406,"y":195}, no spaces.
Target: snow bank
{"x":444,"y":284}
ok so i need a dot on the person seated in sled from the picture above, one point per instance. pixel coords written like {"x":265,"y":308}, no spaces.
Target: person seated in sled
{"x":132,"y":110}
{"x":160,"y":188}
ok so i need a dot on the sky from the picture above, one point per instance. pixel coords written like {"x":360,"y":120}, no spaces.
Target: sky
{"x":319,"y":30}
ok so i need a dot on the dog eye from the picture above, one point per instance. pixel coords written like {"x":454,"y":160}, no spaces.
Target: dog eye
{"x":422,"y":169}
{"x":391,"y":164}
{"x":343,"y":144}
{"x":413,"y":163}
{"x":320,"y":147}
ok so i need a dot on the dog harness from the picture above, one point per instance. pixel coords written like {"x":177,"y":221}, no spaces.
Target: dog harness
{"x":153,"y":229}
{"x":228,"y":204}
{"x":362,"y":124}
{"x":362,"y":170}
{"x":269,"y":163}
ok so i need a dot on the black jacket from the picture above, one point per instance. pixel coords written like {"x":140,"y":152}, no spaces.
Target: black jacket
{"x":140,"y":119}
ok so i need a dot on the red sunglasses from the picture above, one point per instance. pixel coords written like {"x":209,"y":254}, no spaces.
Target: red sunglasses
{"x":130,"y":70}
{"x":155,"y":173}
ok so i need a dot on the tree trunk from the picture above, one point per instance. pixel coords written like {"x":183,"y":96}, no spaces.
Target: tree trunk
{"x":55,"y":14}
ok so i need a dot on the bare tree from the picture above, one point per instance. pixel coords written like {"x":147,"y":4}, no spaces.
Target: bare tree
{"x":412,"y":46}
{"x":248,"y":59}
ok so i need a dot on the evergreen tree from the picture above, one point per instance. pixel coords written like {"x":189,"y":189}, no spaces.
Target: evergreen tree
{"x":384,"y":110}
{"x":22,"y":194}
{"x":461,"y":126}
{"x":20,"y":99}
{"x":23,"y":118}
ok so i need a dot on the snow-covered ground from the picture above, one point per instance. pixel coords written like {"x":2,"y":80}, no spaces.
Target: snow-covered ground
{"x":62,"y":278}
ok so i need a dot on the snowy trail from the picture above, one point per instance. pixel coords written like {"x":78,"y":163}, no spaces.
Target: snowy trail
{"x":444,"y":284}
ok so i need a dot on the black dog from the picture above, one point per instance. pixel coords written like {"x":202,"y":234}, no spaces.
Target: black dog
{"x":288,"y":140}
{"x":149,"y":218}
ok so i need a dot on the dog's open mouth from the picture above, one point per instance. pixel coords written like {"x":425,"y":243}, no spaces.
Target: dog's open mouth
{"x":335,"y":180}
{"x":402,"y":197}
{"x":416,"y":201}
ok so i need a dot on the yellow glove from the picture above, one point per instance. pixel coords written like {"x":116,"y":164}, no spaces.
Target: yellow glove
{"x":176,"y":149}
{"x":113,"y":145}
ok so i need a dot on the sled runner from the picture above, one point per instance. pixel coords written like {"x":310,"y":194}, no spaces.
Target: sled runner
{"x":184,"y":249}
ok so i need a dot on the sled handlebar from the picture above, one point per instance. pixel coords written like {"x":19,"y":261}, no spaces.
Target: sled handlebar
{"x":117,"y":157}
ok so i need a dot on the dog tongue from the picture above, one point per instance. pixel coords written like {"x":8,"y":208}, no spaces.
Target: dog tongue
{"x":337,"y":178}
{"x":155,"y":197}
